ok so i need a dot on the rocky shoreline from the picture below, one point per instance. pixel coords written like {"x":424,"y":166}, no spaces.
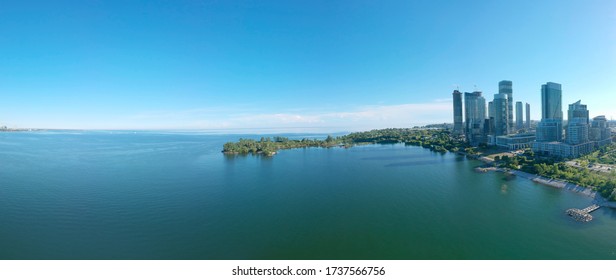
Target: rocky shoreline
{"x":560,"y":184}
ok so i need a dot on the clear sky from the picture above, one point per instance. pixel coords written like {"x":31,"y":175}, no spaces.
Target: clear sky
{"x":325,"y":65}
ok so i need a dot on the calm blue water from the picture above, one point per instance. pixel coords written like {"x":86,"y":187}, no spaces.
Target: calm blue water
{"x":119,"y":195}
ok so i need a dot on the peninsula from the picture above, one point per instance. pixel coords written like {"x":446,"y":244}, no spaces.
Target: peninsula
{"x":434,"y":139}
{"x":579,"y":172}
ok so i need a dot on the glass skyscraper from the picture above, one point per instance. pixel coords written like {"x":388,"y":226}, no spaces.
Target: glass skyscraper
{"x":506,"y":87}
{"x":551,"y":101}
{"x":551,"y":126}
{"x":474,"y":117}
{"x":519,"y":121}
{"x":457,"y":113}
{"x":501,"y":116}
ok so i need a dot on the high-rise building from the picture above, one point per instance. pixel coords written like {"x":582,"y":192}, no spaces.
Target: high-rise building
{"x":527,"y":116}
{"x":506,"y":87}
{"x":474,"y":117}
{"x":490,"y":109}
{"x":550,"y":128}
{"x":457,"y":113}
{"x":490,"y":120}
{"x":551,"y":101}
{"x":578,"y":123}
{"x":501,"y":116}
{"x":578,"y":110}
{"x":600,"y":131}
{"x":519,"y":121}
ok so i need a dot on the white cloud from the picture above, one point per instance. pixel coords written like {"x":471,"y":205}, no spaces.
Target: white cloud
{"x":246,"y":117}
{"x":444,"y":100}
{"x":279,"y":119}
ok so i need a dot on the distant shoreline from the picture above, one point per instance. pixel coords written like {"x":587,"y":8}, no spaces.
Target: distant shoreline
{"x":18,"y":129}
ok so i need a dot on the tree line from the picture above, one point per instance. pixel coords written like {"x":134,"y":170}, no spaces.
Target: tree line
{"x":438,"y":140}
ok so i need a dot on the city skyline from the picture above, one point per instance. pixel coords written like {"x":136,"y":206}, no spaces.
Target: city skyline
{"x":331,"y":67}
{"x":497,"y":129}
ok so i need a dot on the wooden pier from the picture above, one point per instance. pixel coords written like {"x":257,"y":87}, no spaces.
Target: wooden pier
{"x":582,"y":215}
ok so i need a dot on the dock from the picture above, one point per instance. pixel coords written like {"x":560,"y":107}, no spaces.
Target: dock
{"x":582,"y":215}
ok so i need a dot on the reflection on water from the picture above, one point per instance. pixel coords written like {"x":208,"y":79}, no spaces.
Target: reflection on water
{"x":508,"y":177}
{"x":504,"y":189}
{"x":414,"y":163}
{"x":429,"y":156}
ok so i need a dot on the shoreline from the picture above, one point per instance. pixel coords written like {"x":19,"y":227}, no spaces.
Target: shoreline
{"x":556,"y":183}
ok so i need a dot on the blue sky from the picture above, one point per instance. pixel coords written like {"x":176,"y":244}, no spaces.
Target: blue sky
{"x":324,"y":65}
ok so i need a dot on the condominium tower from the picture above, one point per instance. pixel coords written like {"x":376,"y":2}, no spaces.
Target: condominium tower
{"x":551,"y":101}
{"x":578,"y":124}
{"x":500,"y":113}
{"x":474,"y":117}
{"x":578,"y":110}
{"x":457,"y":113}
{"x":600,"y":131}
{"x":551,"y":126}
{"x":519,"y":122}
{"x":506,"y":87}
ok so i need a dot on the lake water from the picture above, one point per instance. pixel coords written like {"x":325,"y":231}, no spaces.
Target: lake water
{"x":156,"y":195}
